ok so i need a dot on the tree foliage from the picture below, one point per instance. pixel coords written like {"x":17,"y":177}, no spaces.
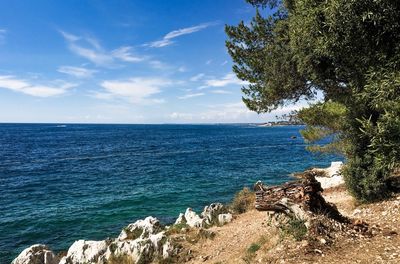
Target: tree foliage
{"x":347,"y":49}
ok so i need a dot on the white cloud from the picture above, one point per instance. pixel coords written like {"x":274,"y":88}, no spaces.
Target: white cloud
{"x":181,"y":116}
{"x":90,"y":49}
{"x":159,"y":65}
{"x":209,"y":62}
{"x":228,"y":79}
{"x":134,"y":90}
{"x":187,"y":96}
{"x":38,"y":90}
{"x":221,"y":92}
{"x":197,"y":77}
{"x":95,"y":56}
{"x":3,"y":33}
{"x":161,"y":43}
{"x":182,"y":69}
{"x":124,"y":53}
{"x":230,"y":112}
{"x":224,"y":63}
{"x":167,"y":39}
{"x":78,"y":72}
{"x":69,"y":37}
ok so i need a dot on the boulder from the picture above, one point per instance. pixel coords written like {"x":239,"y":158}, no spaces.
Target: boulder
{"x":36,"y":254}
{"x":141,"y":228}
{"x":211,"y":212}
{"x":139,"y":250}
{"x":193,"y":219}
{"x":224,"y":218}
{"x":85,"y":251}
{"x":181,"y":219}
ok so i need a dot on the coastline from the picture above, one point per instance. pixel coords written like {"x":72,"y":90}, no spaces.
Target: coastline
{"x":146,"y":239}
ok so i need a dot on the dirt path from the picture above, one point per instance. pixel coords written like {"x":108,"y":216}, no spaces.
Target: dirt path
{"x":232,"y":241}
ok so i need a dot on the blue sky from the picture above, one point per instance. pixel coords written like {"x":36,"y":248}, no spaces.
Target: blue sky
{"x":120,"y":62}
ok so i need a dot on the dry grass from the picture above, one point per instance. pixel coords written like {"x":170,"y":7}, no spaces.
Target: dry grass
{"x":243,"y":201}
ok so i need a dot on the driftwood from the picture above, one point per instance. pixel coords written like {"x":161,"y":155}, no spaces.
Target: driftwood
{"x":301,"y":198}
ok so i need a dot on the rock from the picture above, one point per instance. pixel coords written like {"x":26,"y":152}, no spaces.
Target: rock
{"x":224,"y":218}
{"x":334,"y":169}
{"x":168,"y":249}
{"x":141,"y":228}
{"x":193,"y":219}
{"x":211,"y":212}
{"x":85,"y":251}
{"x":181,"y":219}
{"x":356,"y":212}
{"x":140,"y":250}
{"x":140,"y":242}
{"x":36,"y":254}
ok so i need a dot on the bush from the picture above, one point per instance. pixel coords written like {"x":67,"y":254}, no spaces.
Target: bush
{"x":374,"y":133}
{"x":253,"y":248}
{"x":365,"y":180}
{"x":295,"y":228}
{"x":243,"y":201}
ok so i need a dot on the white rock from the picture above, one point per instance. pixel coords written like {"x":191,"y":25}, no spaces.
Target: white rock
{"x":193,"y":219}
{"x":356,"y":212}
{"x":334,"y":169}
{"x":36,"y":254}
{"x":135,"y":249}
{"x":224,"y":218}
{"x":181,"y":219}
{"x":85,"y":251}
{"x":330,"y":182}
{"x":167,"y":250}
{"x":141,"y":228}
{"x":211,"y":212}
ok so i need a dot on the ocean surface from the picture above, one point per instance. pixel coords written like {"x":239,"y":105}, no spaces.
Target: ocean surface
{"x":61,"y":183}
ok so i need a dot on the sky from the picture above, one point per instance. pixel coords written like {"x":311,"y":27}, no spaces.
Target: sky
{"x":119,"y":61}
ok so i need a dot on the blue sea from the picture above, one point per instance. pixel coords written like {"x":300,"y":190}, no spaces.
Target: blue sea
{"x":61,"y":183}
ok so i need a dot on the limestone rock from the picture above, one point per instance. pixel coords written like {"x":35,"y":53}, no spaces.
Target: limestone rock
{"x":36,"y":254}
{"x":140,"y":250}
{"x":225,"y":218}
{"x":211,"y":212}
{"x":181,"y":219}
{"x":141,"y":228}
{"x":85,"y":251}
{"x":193,"y":219}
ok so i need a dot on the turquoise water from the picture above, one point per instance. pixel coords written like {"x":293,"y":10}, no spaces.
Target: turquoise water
{"x":63,"y":183}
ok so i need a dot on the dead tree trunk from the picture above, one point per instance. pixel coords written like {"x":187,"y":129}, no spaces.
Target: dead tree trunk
{"x":299,"y":198}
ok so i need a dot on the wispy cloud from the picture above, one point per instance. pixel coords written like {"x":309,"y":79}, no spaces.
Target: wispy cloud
{"x":224,"y":63}
{"x":39,"y":90}
{"x":3,"y":33}
{"x":125,"y":54}
{"x":228,"y":79}
{"x":168,"y":38}
{"x":197,"y":77}
{"x":230,"y":112}
{"x":187,"y":96}
{"x":156,"y":64}
{"x":90,"y":49}
{"x":135,"y":90}
{"x":221,"y":92}
{"x":78,"y":72}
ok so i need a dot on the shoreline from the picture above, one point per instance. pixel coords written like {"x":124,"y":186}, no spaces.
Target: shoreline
{"x":148,"y":232}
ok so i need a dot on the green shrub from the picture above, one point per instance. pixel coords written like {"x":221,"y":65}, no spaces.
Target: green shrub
{"x":295,"y":228}
{"x":243,"y":201}
{"x":253,"y":248}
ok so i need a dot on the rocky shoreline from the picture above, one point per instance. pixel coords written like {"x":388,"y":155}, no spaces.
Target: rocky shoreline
{"x":146,"y":240}
{"x":143,"y":241}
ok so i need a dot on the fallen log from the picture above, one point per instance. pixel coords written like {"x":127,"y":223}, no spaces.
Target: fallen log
{"x":299,"y":198}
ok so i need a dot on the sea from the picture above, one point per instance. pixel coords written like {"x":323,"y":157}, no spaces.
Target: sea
{"x":64,"y":182}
